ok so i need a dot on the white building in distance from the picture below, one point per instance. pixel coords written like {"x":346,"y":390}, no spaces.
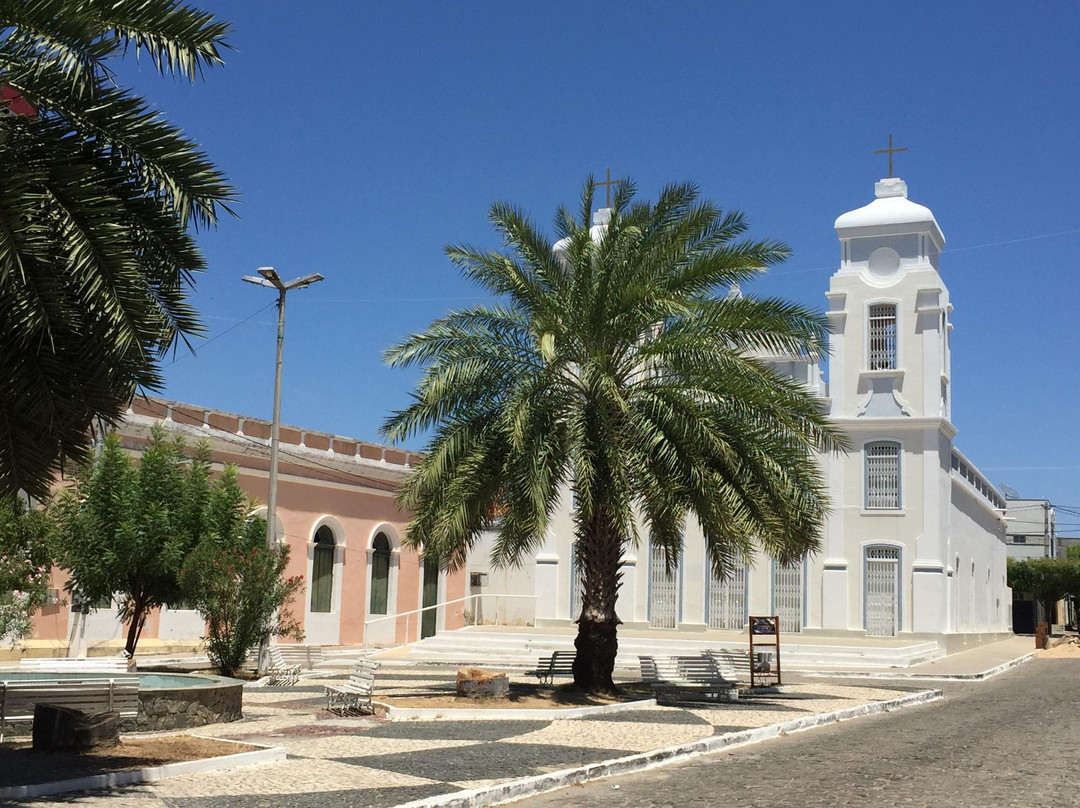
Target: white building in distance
{"x":914,"y":546}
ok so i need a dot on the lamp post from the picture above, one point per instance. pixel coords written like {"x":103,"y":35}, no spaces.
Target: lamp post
{"x":268,"y":277}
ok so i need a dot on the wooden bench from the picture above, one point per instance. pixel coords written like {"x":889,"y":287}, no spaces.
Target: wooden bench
{"x":355,"y":692}
{"x":97,"y":695}
{"x":686,"y":678}
{"x":113,"y":664}
{"x":560,"y":663}
{"x":280,"y":671}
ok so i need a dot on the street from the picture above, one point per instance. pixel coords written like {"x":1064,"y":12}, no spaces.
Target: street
{"x":1008,"y":741}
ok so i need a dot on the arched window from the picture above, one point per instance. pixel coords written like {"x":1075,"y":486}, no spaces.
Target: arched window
{"x":322,"y":570}
{"x":882,"y":475}
{"x":380,"y":574}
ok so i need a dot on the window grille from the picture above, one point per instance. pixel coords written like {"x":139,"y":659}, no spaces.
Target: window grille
{"x":883,"y":337}
{"x":663,"y":592}
{"x":882,"y":475}
{"x":727,"y":598}
{"x":788,"y":595}
{"x":882,"y":591}
{"x":576,"y":582}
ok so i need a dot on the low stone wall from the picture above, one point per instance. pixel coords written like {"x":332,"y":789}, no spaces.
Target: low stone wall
{"x":179,"y":708}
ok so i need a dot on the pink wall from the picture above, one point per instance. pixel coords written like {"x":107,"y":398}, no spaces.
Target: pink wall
{"x":359,"y":502}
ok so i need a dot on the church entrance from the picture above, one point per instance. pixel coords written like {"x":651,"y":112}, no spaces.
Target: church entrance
{"x":788,"y":596}
{"x":882,"y":590}
{"x":727,"y":599}
{"x":429,"y":621}
{"x":663,"y":592}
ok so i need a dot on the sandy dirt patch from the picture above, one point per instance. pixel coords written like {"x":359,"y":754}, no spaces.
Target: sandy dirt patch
{"x":21,"y":765}
{"x":525,"y":697}
{"x":1065,"y":650}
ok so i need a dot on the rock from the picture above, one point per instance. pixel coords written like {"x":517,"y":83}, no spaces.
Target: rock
{"x":477,"y":683}
{"x":64,"y":728}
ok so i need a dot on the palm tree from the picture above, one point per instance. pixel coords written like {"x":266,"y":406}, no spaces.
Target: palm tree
{"x":98,"y":195}
{"x":618,"y":367}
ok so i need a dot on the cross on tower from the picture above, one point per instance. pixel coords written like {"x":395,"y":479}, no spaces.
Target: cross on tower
{"x":890,"y":151}
{"x":607,"y":190}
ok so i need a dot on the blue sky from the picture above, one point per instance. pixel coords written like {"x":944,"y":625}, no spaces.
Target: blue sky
{"x":365,"y":137}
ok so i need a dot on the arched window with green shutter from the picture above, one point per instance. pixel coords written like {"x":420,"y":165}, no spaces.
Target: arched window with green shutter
{"x":322,"y":570}
{"x":380,"y":574}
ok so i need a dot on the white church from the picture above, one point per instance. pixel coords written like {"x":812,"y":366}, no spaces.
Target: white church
{"x":914,"y":546}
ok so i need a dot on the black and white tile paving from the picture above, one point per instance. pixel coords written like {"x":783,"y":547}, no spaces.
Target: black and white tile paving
{"x":370,"y":762}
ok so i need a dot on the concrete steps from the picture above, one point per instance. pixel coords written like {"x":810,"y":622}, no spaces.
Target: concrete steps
{"x":478,"y":647}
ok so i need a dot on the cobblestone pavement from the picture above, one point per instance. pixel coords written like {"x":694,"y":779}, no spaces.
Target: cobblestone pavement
{"x":1008,"y":741}
{"x":370,"y":762}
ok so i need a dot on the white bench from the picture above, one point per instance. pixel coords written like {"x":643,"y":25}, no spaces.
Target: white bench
{"x":305,"y":657}
{"x":736,"y":664}
{"x":732,"y":664}
{"x":680,"y":678}
{"x":356,"y":691}
{"x":280,"y":671}
{"x":111,"y":664}
{"x":113,"y":694}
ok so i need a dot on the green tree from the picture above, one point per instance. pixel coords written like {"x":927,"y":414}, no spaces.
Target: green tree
{"x":126,"y":527}
{"x":24,"y":566}
{"x":617,"y":364}
{"x":236,"y":582}
{"x":98,"y":194}
{"x":1047,"y":580}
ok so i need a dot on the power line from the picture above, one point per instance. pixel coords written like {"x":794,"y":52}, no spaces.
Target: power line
{"x":215,"y":338}
{"x":949,"y":250}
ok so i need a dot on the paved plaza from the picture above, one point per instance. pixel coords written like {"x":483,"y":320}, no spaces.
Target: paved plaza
{"x":371,"y":762}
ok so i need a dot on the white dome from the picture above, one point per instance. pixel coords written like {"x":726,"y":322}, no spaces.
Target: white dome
{"x":597,"y":232}
{"x":891,"y":208}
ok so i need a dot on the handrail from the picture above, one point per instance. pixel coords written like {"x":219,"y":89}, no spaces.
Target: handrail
{"x":475,"y":598}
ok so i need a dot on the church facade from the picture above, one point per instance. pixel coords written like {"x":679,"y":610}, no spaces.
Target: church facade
{"x":914,"y":545}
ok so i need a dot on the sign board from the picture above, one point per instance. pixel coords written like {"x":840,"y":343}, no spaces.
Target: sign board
{"x":764,"y":650}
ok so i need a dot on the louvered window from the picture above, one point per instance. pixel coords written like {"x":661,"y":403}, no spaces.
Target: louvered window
{"x":882,"y":475}
{"x":883,"y":337}
{"x":380,"y":575}
{"x":322,"y":570}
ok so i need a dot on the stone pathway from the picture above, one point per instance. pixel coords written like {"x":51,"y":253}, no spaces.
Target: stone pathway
{"x":370,"y":762}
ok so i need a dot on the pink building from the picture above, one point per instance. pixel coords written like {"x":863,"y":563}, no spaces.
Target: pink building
{"x":335,"y":509}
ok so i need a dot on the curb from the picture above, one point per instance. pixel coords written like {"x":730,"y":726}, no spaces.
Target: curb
{"x":455,"y":714}
{"x":267,"y":754}
{"x":927,"y":677}
{"x":530,"y":786}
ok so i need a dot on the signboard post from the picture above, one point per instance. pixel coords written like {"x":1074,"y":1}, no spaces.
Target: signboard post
{"x":764,"y":634}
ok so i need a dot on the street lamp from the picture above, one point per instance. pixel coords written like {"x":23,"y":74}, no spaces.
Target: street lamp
{"x":268,"y":277}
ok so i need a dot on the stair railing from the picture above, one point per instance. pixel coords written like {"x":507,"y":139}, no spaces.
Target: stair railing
{"x":475,"y":599}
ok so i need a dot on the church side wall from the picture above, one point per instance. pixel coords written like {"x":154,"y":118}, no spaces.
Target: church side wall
{"x":505,"y":580}
{"x":982,"y":600}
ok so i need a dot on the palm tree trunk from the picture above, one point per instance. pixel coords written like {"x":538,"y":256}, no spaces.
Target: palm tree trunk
{"x":599,"y":553}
